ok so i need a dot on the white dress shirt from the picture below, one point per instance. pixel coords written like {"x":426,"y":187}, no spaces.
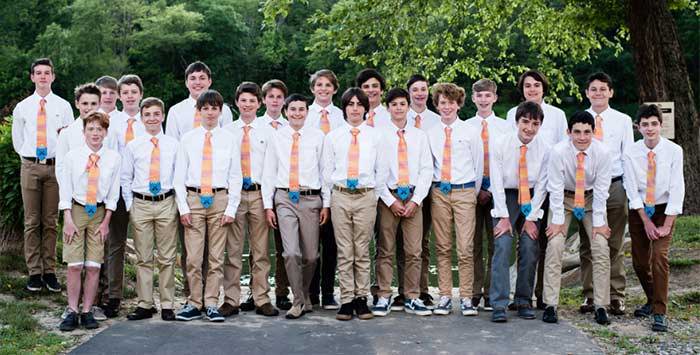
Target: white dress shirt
{"x":617,"y":136}
{"x":136,"y":166}
{"x":505,"y":173}
{"x":669,"y":182}
{"x":498,"y":129}
{"x":259,"y":135}
{"x":554,"y":126}
{"x":277,"y":159}
{"x":75,"y":177}
{"x":335,"y":116}
{"x":428,"y":119}
{"x":561,"y":175}
{"x":382,"y":117}
{"x":372,"y":167}
{"x":467,"y":153}
{"x":226,"y":167}
{"x":420,"y":162}
{"x":115,"y":115}
{"x":58,"y":115}
{"x":180,"y":119}
{"x":72,"y":137}
{"x":118,"y":130}
{"x":268,"y":120}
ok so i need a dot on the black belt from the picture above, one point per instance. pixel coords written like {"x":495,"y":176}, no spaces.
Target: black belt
{"x":199,"y":191}
{"x":99,"y":204}
{"x":616,"y":179}
{"x":50,"y":161}
{"x":156,"y":198}
{"x":252,"y":187}
{"x":306,"y":192}
{"x":396,"y":190}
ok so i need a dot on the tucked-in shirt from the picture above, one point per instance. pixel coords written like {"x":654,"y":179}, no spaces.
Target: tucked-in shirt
{"x":73,"y":137}
{"x":259,"y":136}
{"x":372,"y":167}
{"x":136,"y":166}
{"x":561,"y":175}
{"x":498,"y":128}
{"x":58,"y":115}
{"x":118,"y":130}
{"x":428,"y":119}
{"x":505,"y":173}
{"x":335,"y":116}
{"x":226,"y":167}
{"x":669,"y":182}
{"x":277,"y":161}
{"x":180,"y":119}
{"x":75,"y":177}
{"x":467,"y":153}
{"x":268,"y":120}
{"x":420,"y":162}
{"x":382,"y":117}
{"x":617,"y":136}
{"x":554,"y":126}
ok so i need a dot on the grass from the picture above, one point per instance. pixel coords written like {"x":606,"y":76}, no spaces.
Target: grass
{"x":11,"y":262}
{"x":20,"y":333}
{"x":685,"y":306}
{"x":686,"y":232}
{"x":15,"y":286}
{"x":683,"y":262}
{"x":621,"y":342}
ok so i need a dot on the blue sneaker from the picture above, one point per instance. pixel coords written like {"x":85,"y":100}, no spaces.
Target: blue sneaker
{"x":188,"y":313}
{"x":213,"y":314}
{"x":444,"y":307}
{"x":467,"y":308}
{"x":416,"y":306}
{"x":382,"y":308}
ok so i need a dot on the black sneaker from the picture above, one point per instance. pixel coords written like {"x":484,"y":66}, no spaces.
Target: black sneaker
{"x":587,"y":306}
{"x":283,"y":303}
{"x":361,"y":308}
{"x":398,"y":303}
{"x":167,"y":314}
{"x":51,"y":282}
{"x":35,"y":284}
{"x":345,"y":312}
{"x":329,"y":303}
{"x":248,"y":305}
{"x":140,"y":313}
{"x":427,"y":300}
{"x":111,"y":309}
{"x":660,"y":324}
{"x":87,"y":320}
{"x":550,"y":315}
{"x":487,"y":304}
{"x":601,"y":316}
{"x":70,"y":322}
{"x":476,"y":301}
{"x":643,"y":311}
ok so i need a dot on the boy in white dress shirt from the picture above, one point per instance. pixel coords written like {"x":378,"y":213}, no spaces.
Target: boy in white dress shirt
{"x":274,"y":93}
{"x":373,"y":85}
{"x":109,"y":97}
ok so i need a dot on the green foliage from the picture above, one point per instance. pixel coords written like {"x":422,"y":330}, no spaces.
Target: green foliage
{"x":686,"y":232}
{"x":683,"y":262}
{"x":21,"y":333}
{"x":11,"y":216}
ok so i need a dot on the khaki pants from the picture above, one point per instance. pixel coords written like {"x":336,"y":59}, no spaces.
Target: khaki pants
{"x":555,"y":251}
{"x":412,"y":232}
{"x":155,"y":222}
{"x":40,"y":200}
{"x":250,"y":214}
{"x":483,"y":235}
{"x":353,"y":216}
{"x":206,"y":224}
{"x":425,"y":250}
{"x":299,"y":226}
{"x":457,"y":207}
{"x":86,"y":244}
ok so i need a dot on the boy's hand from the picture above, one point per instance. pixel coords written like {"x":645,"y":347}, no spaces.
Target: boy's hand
{"x":554,"y":229}
{"x":69,"y":231}
{"x":226,"y":220}
{"x":103,"y":231}
{"x":603,"y":230}
{"x":397,"y":208}
{"x":410,"y":209}
{"x":530,"y":228}
{"x":271,"y":218}
{"x":483,"y":197}
{"x":186,"y":220}
{"x":502,"y":227}
{"x":325,"y":214}
{"x":664,"y":231}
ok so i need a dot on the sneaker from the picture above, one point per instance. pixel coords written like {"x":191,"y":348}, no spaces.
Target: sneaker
{"x":51,"y":282}
{"x":111,"y":309}
{"x":512,"y":306}
{"x":601,"y":316}
{"x":382,"y":308}
{"x":248,"y":305}
{"x":328,"y":302}
{"x":295,"y":312}
{"x":98,"y":313}
{"x":361,"y":308}
{"x":587,"y":306}
{"x":213,"y":314}
{"x":417,"y":307}
{"x":427,"y":300}
{"x":35,"y":284}
{"x":88,"y":321}
{"x":140,"y":313}
{"x":467,"y":309}
{"x":541,"y":305}
{"x":487,"y":305}
{"x":228,"y":310}
{"x":267,"y":310}
{"x":188,"y":313}
{"x":643,"y":311}
{"x":283,"y":303}
{"x":617,"y":307}
{"x":476,"y":301}
{"x":345,"y":312}
{"x":525,"y":311}
{"x":66,"y":312}
{"x":660,"y":324}
{"x":69,"y":322}
{"x":398,"y":303}
{"x":550,"y":315}
{"x":444,"y":307}
{"x":499,"y":315}
{"x":167,"y":314}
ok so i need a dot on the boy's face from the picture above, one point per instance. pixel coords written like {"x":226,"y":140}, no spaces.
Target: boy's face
{"x":42,"y":76}
{"x":108,"y":99}
{"x":354,"y":111}
{"x":533,"y":90}
{"x":419,"y":93}
{"x":484,"y":100}
{"x":581,"y":135}
{"x":130,"y":95}
{"x":398,"y":108}
{"x":373,"y":90}
{"x":197,"y":83}
{"x":94,"y":133}
{"x":599,"y":93}
{"x":248,"y":104}
{"x":528,"y":128}
{"x":210,"y":115}
{"x":87,"y":103}
{"x":152,"y":117}
{"x":650,"y":127}
{"x":274,"y":100}
{"x":296,"y":114}
{"x":323,"y":89}
{"x":447,"y":108}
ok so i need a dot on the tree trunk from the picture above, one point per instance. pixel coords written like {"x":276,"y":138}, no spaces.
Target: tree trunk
{"x":662,"y":75}
{"x":11,"y":240}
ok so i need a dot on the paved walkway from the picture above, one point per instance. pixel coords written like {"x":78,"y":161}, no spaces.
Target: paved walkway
{"x":320,"y":333}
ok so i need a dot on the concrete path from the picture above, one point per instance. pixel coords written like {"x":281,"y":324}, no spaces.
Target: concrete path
{"x":320,"y":333}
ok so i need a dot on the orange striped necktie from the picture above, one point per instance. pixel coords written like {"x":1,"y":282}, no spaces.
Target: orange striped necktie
{"x":275,"y":124}
{"x":197,"y":118}
{"x":419,"y":121}
{"x":42,"y":149}
{"x":206,"y":193}
{"x":598,"y":133}
{"x":486,"y":181}
{"x":245,"y":158}
{"x":404,"y":189}
{"x":523,"y":186}
{"x":650,"y":200}
{"x":294,"y":169}
{"x":325,"y":123}
{"x":579,"y":193}
{"x":446,"y":172}
{"x":129,"y":135}
{"x":154,"y":170}
{"x":93,"y":182}
{"x":370,"y":119}
{"x":353,"y":160}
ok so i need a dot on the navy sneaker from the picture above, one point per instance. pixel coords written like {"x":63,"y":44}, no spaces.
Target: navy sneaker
{"x":382,"y":308}
{"x":643,"y":311}
{"x":35,"y":283}
{"x":188,"y":313}
{"x":69,"y":322}
{"x":499,"y":315}
{"x":51,"y":282}
{"x":660,"y":324}
{"x":525,"y":311}
{"x":213,"y":314}
{"x":417,"y":307}
{"x":444,"y":307}
{"x":328,"y":302}
{"x":398,"y":303}
{"x":467,"y":308}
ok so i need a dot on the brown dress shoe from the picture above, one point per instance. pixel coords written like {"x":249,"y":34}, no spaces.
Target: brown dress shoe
{"x":587,"y":306}
{"x":617,"y":307}
{"x":267,"y":310}
{"x":228,"y":310}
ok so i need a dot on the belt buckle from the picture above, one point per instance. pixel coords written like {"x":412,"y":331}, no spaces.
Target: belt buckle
{"x":42,"y":162}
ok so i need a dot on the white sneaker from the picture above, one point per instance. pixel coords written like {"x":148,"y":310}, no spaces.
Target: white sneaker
{"x":98,"y":313}
{"x":467,"y":309}
{"x":382,"y":308}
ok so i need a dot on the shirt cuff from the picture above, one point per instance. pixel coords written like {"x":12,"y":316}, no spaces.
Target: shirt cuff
{"x":183,"y":209}
{"x":230,"y":211}
{"x":598,"y":220}
{"x":636,"y":204}
{"x":65,"y":205}
{"x":535,"y":215}
{"x":557,"y":217}
{"x":389,"y":200}
{"x":499,"y":213}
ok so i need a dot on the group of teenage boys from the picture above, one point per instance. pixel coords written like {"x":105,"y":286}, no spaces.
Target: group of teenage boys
{"x":328,"y":180}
